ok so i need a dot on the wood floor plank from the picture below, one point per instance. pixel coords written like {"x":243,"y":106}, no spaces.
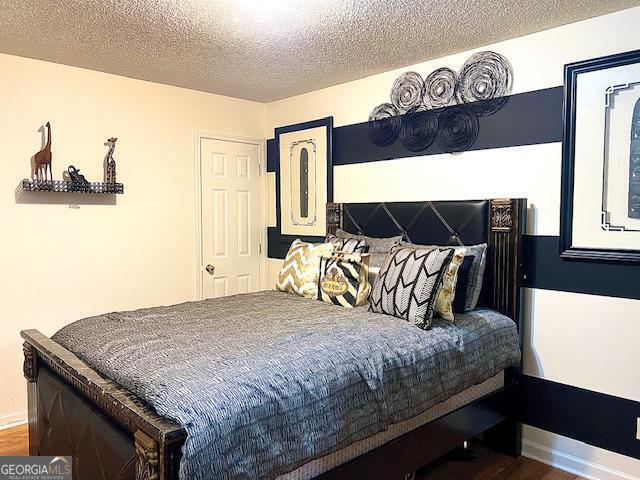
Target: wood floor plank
{"x":498,"y":471}
{"x":490,"y":465}
{"x":529,"y":470}
{"x":14,"y":441}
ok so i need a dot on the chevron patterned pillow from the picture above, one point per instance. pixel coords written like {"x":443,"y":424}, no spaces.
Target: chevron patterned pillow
{"x":408,"y":283}
{"x":469,"y":282}
{"x":299,"y":272}
{"x":344,"y":279}
{"x":446,"y":296}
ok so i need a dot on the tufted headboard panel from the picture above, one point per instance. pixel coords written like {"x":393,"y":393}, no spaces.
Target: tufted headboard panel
{"x":428,"y":223}
{"x":498,"y":222}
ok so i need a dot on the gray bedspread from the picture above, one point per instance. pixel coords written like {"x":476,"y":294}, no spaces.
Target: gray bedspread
{"x":265,"y":382}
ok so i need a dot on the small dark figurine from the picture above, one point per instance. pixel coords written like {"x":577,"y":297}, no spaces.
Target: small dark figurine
{"x":43,"y":159}
{"x":110,"y":163}
{"x":77,"y":179}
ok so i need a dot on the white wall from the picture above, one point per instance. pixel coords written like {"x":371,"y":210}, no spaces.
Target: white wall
{"x":59,"y":263}
{"x":587,"y":341}
{"x":582,"y":340}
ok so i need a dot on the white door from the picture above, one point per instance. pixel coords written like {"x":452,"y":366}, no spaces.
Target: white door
{"x":230,"y":218}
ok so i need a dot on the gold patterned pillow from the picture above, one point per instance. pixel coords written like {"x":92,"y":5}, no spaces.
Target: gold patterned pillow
{"x":444,"y":301}
{"x":344,"y":279}
{"x":299,"y":273}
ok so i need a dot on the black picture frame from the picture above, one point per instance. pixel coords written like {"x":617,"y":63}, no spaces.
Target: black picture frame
{"x":567,"y":250}
{"x":321,"y":122}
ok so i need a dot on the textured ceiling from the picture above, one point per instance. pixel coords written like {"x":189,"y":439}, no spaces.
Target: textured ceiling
{"x":266,"y":50}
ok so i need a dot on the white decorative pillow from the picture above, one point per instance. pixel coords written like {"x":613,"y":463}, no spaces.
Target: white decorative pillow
{"x":299,"y":272}
{"x":408,"y":283}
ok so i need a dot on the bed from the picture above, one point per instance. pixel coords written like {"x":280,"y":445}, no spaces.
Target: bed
{"x":326,"y":392}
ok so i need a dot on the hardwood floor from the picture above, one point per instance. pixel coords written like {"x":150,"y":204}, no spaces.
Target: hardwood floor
{"x":487,"y":465}
{"x":14,"y":441}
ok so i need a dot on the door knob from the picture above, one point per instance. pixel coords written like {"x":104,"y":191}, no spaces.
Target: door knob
{"x":210,"y":269}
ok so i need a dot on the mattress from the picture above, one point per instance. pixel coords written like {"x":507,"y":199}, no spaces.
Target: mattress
{"x":321,"y":465}
{"x":266,"y":382}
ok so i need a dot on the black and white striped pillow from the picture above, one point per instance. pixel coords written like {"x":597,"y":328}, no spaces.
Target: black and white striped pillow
{"x":349,"y":245}
{"x":408,"y":283}
{"x":343,"y":279}
{"x":379,"y":248}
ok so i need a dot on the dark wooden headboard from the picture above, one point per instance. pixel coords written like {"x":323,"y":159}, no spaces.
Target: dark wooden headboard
{"x":498,"y":222}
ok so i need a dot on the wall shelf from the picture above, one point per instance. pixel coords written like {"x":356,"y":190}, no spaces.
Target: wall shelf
{"x":63,"y":186}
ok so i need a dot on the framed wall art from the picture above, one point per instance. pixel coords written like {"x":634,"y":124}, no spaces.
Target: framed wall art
{"x":305,"y":177}
{"x":600,"y":211}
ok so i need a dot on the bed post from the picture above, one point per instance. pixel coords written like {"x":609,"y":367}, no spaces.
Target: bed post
{"x":30,"y":371}
{"x":334,"y":217}
{"x":147,"y":457}
{"x":507,"y":224}
{"x":507,"y":219}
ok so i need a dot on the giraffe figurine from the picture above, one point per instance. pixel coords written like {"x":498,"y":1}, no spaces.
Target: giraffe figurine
{"x":110,"y":163}
{"x":43,"y":158}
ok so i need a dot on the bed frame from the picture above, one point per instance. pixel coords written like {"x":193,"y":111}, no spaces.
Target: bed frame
{"x":74,"y":410}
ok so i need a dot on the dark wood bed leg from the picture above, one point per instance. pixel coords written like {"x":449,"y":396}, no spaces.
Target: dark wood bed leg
{"x":30,"y":371}
{"x":506,"y":437}
{"x":147,"y":457}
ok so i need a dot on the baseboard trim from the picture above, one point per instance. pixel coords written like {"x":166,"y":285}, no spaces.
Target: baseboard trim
{"x":12,"y":420}
{"x":571,"y":464}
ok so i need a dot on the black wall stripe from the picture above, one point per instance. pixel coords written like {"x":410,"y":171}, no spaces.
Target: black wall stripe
{"x":278,"y":245}
{"x":271,"y":155}
{"x":601,"y":420}
{"x":526,"y":119}
{"x":545,"y":269}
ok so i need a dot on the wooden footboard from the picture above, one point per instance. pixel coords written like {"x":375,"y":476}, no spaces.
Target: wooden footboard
{"x":154,"y":442}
